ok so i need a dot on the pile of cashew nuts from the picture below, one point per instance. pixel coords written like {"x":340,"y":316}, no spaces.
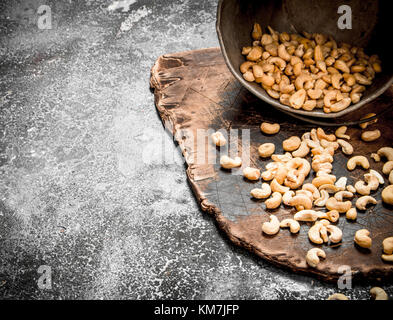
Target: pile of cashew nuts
{"x":309,"y":71}
{"x":326,"y":197}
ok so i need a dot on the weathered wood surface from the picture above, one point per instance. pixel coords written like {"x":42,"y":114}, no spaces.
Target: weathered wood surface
{"x":195,"y":90}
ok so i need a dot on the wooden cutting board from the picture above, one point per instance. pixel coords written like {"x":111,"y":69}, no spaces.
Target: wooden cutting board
{"x":194,"y":90}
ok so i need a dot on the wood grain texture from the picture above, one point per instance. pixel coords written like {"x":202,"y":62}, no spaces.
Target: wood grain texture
{"x":194,"y":90}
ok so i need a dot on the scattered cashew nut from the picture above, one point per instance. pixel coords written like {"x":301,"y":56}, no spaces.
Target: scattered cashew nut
{"x":378,"y":293}
{"x":387,"y":195}
{"x":251,"y":173}
{"x":229,"y":163}
{"x":363,"y":201}
{"x":275,"y":201}
{"x":218,"y":139}
{"x":358,"y":161}
{"x":270,"y":128}
{"x":293,"y":225}
{"x":266,"y":150}
{"x":369,"y":136}
{"x":313,"y":256}
{"x":272,"y":227}
{"x":362,"y":238}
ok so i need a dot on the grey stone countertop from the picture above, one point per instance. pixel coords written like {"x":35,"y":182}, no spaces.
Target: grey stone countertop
{"x":84,"y":193}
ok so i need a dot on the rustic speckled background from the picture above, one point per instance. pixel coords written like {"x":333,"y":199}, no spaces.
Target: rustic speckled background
{"x":90,"y":184}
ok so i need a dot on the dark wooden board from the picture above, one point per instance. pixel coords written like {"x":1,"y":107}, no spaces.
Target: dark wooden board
{"x":195,"y":90}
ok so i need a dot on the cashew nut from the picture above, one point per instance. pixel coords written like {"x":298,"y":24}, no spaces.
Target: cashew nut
{"x":282,"y":157}
{"x":270,"y":128}
{"x":351,"y":188}
{"x":229,"y":163}
{"x":362,"y":238}
{"x":328,"y":144}
{"x":276,"y":187}
{"x":342,"y":66}
{"x":322,"y":135}
{"x":381,"y":180}
{"x":282,"y":53}
{"x":245,"y":66}
{"x":261,"y":193}
{"x":363,"y":201}
{"x":341,"y":183}
{"x":387,"y":195}
{"x":313,"y":189}
{"x":319,"y":181}
{"x":369,"y":136}
{"x":387,"y":167}
{"x":329,"y":96}
{"x":343,"y":194}
{"x":274,"y":202}
{"x":301,"y":202}
{"x":336,"y":234}
{"x":351,"y":214}
{"x":218,"y":139}
{"x":362,"y":188}
{"x":358,"y":161}
{"x":332,"y":215}
{"x":387,"y":245}
{"x":291,"y":144}
{"x":272,"y":227}
{"x":372,"y":181}
{"x":318,"y":232}
{"x":297,"y":99}
{"x":321,"y":202}
{"x":341,"y":206}
{"x":287,"y":196}
{"x":306,"y":215}
{"x":330,"y":188}
{"x":251,"y":173}
{"x":386,"y":152}
{"x":313,"y":256}
{"x":293,"y":225}
{"x":255,"y":54}
{"x":387,"y":257}
{"x":340,"y":105}
{"x":302,"y":151}
{"x":346,"y":147}
{"x":306,"y":193}
{"x":315,"y":94}
{"x":266,"y":39}
{"x":256,"y":32}
{"x":340,"y":133}
{"x":378,"y":293}
{"x":376,"y":157}
{"x":266,"y":150}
